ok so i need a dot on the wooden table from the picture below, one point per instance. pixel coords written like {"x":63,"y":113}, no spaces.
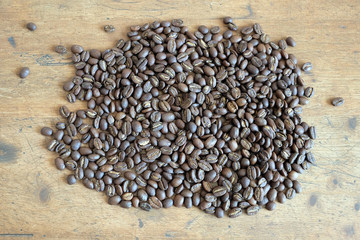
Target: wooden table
{"x":36,"y":202}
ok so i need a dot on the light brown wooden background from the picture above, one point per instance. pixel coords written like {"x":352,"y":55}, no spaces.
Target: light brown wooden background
{"x":35,"y":201}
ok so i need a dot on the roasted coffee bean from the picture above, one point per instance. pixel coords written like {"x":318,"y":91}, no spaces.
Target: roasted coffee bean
{"x":307,"y":67}
{"x":252,"y":210}
{"x":24,"y":72}
{"x":60,"y":49}
{"x":109,"y":28}
{"x":71,"y":179}
{"x":59,"y":163}
{"x":145,"y":206}
{"x":338,"y":101}
{"x":290,"y":41}
{"x":235,"y":212}
{"x":46,"y":131}
{"x":31,"y":26}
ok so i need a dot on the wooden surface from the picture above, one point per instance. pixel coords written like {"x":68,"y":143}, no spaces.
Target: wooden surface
{"x":36,"y":202}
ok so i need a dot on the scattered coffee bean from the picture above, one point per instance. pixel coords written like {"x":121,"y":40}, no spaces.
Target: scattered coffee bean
{"x":338,"y":101}
{"x":46,"y":131}
{"x":71,"y":179}
{"x":290,"y":42}
{"x":60,"y":49}
{"x":109,"y":28}
{"x":24,"y":72}
{"x":180,"y":118}
{"x":31,"y":26}
{"x":307,"y":67}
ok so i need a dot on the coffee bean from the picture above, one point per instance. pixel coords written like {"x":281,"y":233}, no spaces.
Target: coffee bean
{"x":235,"y":212}
{"x":145,"y":206}
{"x":71,"y":179}
{"x":60,"y":49}
{"x":210,"y":142}
{"x":168,"y":117}
{"x":24,"y":72}
{"x":306,"y":67}
{"x":155,"y":202}
{"x":77,"y":49}
{"x":338,"y":101}
{"x":59,"y":163}
{"x":114,"y":200}
{"x":125,"y":204}
{"x":168,"y":203}
{"x":252,"y":210}
{"x":109,"y":28}
{"x":290,"y":41}
{"x":270,"y":206}
{"x":46,"y":131}
{"x":31,"y":26}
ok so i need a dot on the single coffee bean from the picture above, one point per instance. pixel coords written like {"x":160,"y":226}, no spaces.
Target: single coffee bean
{"x":46,"y":131}
{"x":270,"y":206}
{"x":155,"y":202}
{"x":227,"y":20}
{"x":77,"y":49}
{"x":145,"y":206}
{"x":235,"y":212}
{"x":59,"y":163}
{"x":24,"y":72}
{"x":60,"y":49}
{"x":31,"y":26}
{"x":290,"y":41}
{"x":307,"y":67}
{"x":114,"y":200}
{"x":109,"y":28}
{"x":71,"y":179}
{"x":338,"y":101}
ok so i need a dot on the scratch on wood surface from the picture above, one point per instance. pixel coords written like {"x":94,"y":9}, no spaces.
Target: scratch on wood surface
{"x":250,"y":14}
{"x":338,"y":171}
{"x":16,"y":235}
{"x":48,"y":60}
{"x":190,"y":222}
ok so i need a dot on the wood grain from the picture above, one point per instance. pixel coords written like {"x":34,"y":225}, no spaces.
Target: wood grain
{"x":36,"y":202}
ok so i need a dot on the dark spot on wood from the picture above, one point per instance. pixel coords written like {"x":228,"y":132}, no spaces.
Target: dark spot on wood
{"x":229,"y":226}
{"x":313,"y":200}
{"x":343,"y":26}
{"x":313,"y":80}
{"x":44,"y":194}
{"x":346,"y":138}
{"x":352,"y":123}
{"x":349,"y":230}
{"x":12,"y":42}
{"x":335,"y":181}
{"x":169,"y":235}
{"x":357,"y":207}
{"x":7,"y":153}
{"x":141,"y":224}
{"x":136,"y":238}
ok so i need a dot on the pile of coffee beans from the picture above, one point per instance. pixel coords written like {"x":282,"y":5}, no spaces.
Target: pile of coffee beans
{"x":179,"y":118}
